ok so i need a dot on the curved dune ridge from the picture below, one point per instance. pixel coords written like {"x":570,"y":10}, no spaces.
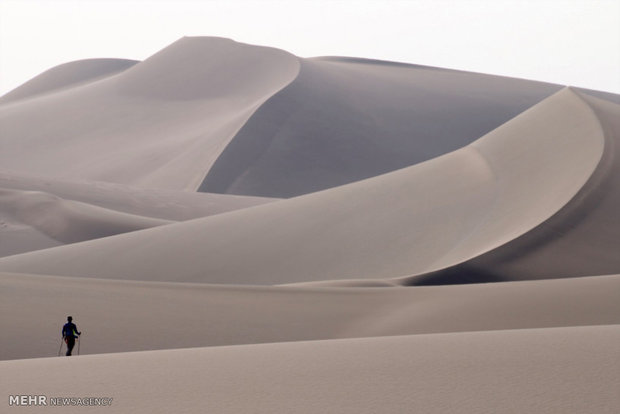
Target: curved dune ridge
{"x":475,"y":199}
{"x":69,"y":221}
{"x":163,"y":204}
{"x":299,"y":125}
{"x":581,"y":239}
{"x":131,"y":129}
{"x":68,"y":75}
{"x":236,"y":229}
{"x":38,"y":213}
{"x":344,"y":120}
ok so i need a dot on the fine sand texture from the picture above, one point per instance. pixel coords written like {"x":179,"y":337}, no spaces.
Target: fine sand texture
{"x":121,"y":316}
{"x":38,"y":213}
{"x":560,"y":370}
{"x":415,"y":220}
{"x":237,"y":229}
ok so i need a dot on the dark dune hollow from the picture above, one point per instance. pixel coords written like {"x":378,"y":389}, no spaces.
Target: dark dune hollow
{"x":344,"y":120}
{"x":581,"y":239}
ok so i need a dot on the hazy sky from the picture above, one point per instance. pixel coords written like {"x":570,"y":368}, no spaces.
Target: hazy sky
{"x":570,"y":42}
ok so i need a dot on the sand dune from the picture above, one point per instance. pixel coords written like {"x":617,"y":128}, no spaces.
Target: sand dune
{"x":68,"y":75}
{"x":607,"y":96}
{"x":53,"y":212}
{"x":120,"y":316}
{"x":68,"y":221}
{"x":164,"y":204}
{"x":581,"y":239}
{"x":563,"y":370}
{"x":130,"y":129}
{"x":396,"y":176}
{"x":325,"y":122}
{"x":474,"y":200}
{"x":344,"y":120}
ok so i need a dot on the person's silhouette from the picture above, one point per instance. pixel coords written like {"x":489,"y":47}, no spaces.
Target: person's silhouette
{"x":69,"y":333}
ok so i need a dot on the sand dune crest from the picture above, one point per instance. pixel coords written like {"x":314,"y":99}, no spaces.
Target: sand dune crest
{"x":415,"y":220}
{"x":67,"y":75}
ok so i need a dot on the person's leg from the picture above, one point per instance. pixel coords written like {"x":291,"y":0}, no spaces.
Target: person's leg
{"x":70,"y":345}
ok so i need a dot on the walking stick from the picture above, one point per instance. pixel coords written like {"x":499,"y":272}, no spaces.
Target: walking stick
{"x":79,"y":341}
{"x":61,"y":341}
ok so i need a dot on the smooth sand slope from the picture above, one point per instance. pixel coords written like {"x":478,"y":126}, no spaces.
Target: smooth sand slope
{"x":120,"y":316}
{"x":163,"y":204}
{"x":419,"y":219}
{"x":65,"y":221}
{"x":38,"y":213}
{"x":343,"y":120}
{"x":159,"y":123}
{"x":563,"y":370}
{"x":299,"y":125}
{"x":68,"y":75}
{"x":581,"y":239}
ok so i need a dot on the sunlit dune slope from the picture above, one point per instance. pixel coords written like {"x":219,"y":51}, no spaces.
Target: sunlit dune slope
{"x":120,"y":316}
{"x":422,"y":218}
{"x":563,"y":370}
{"x":160,"y":123}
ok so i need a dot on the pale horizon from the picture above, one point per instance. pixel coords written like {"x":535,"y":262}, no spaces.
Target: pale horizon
{"x":575,"y":43}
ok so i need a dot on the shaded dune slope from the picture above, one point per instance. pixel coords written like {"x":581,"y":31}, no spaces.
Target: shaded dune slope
{"x":606,"y":96}
{"x":119,"y":316}
{"x":580,"y":239}
{"x":67,"y":75}
{"x":415,"y":220}
{"x":159,"y":124}
{"x":344,"y":120}
{"x":320,"y":122}
{"x":564,"y":370}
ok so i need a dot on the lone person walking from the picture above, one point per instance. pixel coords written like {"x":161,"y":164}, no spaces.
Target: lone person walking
{"x":69,"y":333}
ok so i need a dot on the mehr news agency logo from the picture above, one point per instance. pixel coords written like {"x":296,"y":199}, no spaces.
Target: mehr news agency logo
{"x":45,"y":401}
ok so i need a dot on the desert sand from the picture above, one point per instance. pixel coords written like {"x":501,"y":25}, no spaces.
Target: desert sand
{"x":238,"y":229}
